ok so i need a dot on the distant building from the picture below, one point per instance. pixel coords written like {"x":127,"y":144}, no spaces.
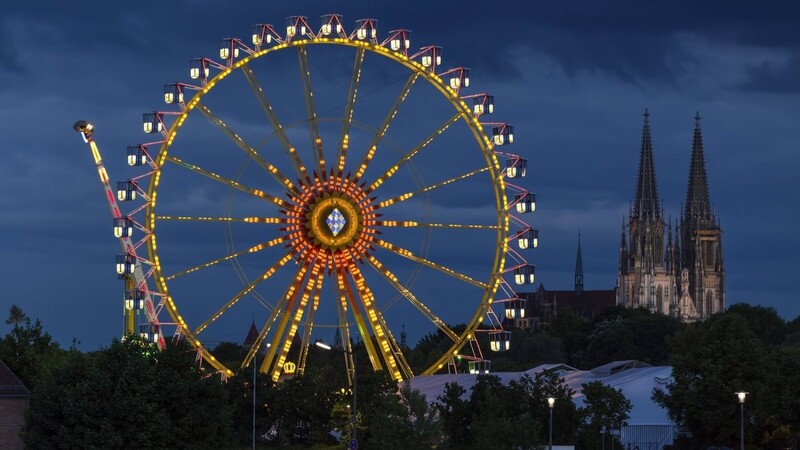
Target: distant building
{"x":14,"y":397}
{"x":684,"y":276}
{"x":251,"y":339}
{"x":542,"y":306}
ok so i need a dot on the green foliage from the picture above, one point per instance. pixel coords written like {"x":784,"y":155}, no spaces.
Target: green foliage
{"x":765,"y":323}
{"x":15,"y":315}
{"x":129,"y":396}
{"x":430,"y":348}
{"x":404,"y":421}
{"x":711,"y":361}
{"x":618,"y":333}
{"x":572,"y":331}
{"x":624,"y":333}
{"x":528,"y":349}
{"x":27,"y":349}
{"x":604,"y":408}
{"x":507,"y":416}
{"x":229,"y":353}
{"x":784,"y":391}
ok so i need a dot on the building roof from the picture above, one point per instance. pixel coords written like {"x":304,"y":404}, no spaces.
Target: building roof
{"x":635,"y":378}
{"x":10,"y":385}
{"x":252,"y":336}
{"x":587,"y":304}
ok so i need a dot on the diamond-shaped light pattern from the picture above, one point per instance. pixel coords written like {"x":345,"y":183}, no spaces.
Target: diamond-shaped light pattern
{"x":335,"y":221}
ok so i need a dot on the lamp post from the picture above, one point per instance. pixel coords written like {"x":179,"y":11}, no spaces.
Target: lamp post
{"x":551,"y":402}
{"x":741,"y":396}
{"x":254,"y":399}
{"x":354,"y":415}
{"x":603,"y":436}
{"x":255,"y":369}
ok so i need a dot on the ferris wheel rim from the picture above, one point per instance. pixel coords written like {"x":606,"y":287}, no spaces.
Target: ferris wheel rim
{"x":462,"y":110}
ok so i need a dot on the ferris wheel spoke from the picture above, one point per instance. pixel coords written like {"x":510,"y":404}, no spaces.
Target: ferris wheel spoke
{"x":412,"y":224}
{"x":282,"y":310}
{"x":317,"y":272}
{"x":250,"y":151}
{"x":306,"y":342}
{"x":363,"y":330}
{"x":247,"y":289}
{"x":280,"y":306}
{"x":392,"y":355}
{"x":344,"y":329}
{"x":282,"y":340}
{"x":408,"y":195}
{"x":228,"y":182}
{"x":253,"y":249}
{"x":409,"y":255}
{"x":290,"y":151}
{"x":385,"y":125}
{"x":344,"y":136}
{"x":311,"y":115}
{"x":268,"y":220}
{"x":393,"y":280}
{"x":380,"y":180}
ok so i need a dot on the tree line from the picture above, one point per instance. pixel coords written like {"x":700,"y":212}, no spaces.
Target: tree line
{"x":129,"y":395}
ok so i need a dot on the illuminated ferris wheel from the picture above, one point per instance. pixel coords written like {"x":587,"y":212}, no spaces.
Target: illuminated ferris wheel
{"x":368,"y":199}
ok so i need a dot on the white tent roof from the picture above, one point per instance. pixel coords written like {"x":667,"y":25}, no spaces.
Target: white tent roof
{"x":635,"y":378}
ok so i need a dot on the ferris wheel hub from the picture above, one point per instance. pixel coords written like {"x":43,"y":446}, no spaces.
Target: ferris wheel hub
{"x":332,"y":214}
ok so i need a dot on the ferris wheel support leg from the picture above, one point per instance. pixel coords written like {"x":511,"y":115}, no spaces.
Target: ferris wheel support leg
{"x":130,"y":318}
{"x":137,"y":278}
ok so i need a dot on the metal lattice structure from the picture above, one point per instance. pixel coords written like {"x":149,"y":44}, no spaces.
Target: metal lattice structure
{"x":328,"y":211}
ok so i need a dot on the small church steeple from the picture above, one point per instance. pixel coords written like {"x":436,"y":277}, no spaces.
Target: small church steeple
{"x":579,"y":269}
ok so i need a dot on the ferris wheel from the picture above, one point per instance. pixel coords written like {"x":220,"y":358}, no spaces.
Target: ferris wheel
{"x":319,"y":180}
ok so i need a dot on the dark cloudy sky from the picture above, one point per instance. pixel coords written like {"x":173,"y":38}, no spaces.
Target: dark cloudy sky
{"x":573,"y":77}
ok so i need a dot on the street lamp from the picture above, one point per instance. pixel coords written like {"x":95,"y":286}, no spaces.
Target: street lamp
{"x":741,"y":396}
{"x":551,"y":402}
{"x":255,"y":358}
{"x":354,"y":415}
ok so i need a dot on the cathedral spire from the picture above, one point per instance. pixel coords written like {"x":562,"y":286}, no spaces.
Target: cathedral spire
{"x":623,"y":251}
{"x":646,"y":204}
{"x":698,"y":207}
{"x":579,"y":269}
{"x":670,"y":268}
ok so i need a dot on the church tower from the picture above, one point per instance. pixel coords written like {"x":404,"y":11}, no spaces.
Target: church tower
{"x":701,"y":240}
{"x":579,"y":269}
{"x":643,"y":279}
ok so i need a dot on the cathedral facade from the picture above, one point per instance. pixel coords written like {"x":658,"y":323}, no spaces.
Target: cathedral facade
{"x":674,"y":270}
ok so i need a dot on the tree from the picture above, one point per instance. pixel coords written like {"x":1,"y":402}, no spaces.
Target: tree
{"x":15,"y":316}
{"x":793,"y":332}
{"x":572,"y":331}
{"x":785,"y":390}
{"x":711,"y":361}
{"x":455,"y":416}
{"x":764,"y":322}
{"x":130,"y":395}
{"x":604,"y":408}
{"x":404,"y":421}
{"x":626,"y":333}
{"x":507,"y":416}
{"x":27,"y":349}
{"x":301,"y":409}
{"x":528,"y":349}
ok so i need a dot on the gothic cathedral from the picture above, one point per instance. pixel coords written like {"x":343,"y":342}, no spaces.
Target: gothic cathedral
{"x":684,"y":276}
